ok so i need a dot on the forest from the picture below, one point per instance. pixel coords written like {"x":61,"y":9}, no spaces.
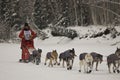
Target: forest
{"x":64,"y":13}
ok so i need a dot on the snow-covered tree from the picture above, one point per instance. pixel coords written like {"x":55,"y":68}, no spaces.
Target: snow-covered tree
{"x":43,"y":13}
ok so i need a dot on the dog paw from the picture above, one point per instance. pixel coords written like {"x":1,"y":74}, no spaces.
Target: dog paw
{"x":113,"y":71}
{"x":58,"y":64}
{"x":118,"y":71}
{"x":44,"y":63}
{"x":79,"y":70}
{"x":68,"y":68}
{"x":90,"y":71}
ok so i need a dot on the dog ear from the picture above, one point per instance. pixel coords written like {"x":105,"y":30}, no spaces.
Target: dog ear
{"x":39,"y":50}
{"x":117,"y":48}
{"x":73,"y":49}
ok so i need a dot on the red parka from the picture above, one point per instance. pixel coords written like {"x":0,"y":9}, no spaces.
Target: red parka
{"x":26,"y":44}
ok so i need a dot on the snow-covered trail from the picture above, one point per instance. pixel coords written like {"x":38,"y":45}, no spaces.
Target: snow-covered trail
{"x":11,"y":69}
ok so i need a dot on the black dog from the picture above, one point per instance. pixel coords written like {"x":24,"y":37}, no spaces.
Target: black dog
{"x":68,"y":57}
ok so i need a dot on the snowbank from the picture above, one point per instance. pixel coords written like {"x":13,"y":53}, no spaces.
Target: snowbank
{"x":11,"y":69}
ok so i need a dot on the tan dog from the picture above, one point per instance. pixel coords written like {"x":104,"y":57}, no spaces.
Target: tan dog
{"x":52,"y":56}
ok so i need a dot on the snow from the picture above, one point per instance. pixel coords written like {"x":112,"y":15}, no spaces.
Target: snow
{"x":14,"y":14}
{"x":11,"y":69}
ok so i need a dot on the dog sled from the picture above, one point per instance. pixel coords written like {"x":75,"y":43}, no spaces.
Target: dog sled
{"x":25,"y":55}
{"x":31,"y":55}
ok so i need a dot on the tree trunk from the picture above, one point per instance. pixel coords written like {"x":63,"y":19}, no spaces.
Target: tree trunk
{"x":76,"y":17}
{"x":93,"y":12}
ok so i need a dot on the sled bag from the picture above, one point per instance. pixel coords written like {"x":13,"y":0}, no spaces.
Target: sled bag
{"x":25,"y":54}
